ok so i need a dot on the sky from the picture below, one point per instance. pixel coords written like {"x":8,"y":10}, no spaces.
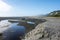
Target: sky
{"x":19,"y":8}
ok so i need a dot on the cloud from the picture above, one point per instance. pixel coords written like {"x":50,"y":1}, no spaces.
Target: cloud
{"x":4,"y":7}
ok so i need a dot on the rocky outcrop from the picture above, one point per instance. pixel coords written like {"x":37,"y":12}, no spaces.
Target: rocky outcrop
{"x":35,"y":33}
{"x":49,"y":30}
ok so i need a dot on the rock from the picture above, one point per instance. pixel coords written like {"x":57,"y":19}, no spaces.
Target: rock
{"x":50,"y":30}
{"x":35,"y":33}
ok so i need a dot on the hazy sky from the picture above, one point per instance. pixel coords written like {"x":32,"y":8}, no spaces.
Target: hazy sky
{"x":28,"y":7}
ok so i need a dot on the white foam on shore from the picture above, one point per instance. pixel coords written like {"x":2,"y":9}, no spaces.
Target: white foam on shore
{"x":4,"y":24}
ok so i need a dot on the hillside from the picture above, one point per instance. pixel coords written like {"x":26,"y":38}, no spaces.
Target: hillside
{"x":54,"y":13}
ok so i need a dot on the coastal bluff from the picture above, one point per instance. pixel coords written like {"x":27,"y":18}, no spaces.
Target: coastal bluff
{"x":49,"y":30}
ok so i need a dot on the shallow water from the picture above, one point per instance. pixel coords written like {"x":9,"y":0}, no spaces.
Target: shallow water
{"x":4,"y":24}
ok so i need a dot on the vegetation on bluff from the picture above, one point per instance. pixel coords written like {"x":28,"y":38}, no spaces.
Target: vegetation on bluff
{"x":54,"y":14}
